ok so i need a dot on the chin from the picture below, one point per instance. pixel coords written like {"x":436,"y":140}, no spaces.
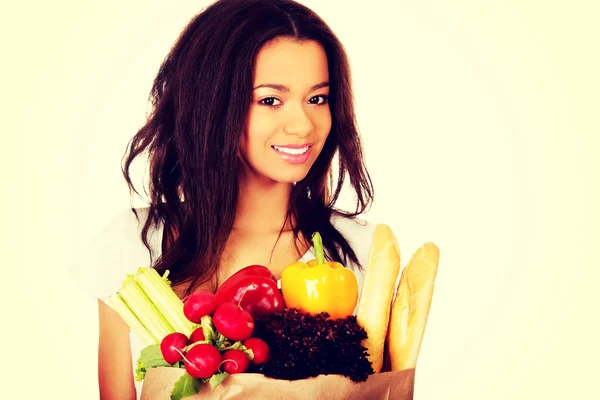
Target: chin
{"x":290,"y":177}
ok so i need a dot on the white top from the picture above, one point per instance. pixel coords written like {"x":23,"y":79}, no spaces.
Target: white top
{"x":118,"y":250}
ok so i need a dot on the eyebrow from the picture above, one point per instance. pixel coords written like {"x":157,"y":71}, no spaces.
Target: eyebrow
{"x":283,"y":88}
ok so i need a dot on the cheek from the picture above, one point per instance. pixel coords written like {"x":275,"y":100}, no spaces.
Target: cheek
{"x":323,"y":125}
{"x":259,"y":129}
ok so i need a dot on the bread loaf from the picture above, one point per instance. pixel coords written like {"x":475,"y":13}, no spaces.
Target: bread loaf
{"x":378,"y":290}
{"x":410,"y":309}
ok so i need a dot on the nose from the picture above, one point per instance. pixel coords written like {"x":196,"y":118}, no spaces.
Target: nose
{"x":298,"y":122}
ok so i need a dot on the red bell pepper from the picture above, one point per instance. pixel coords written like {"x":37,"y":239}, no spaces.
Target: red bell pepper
{"x":255,"y":289}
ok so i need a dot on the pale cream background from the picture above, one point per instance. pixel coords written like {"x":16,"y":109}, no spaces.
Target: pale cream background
{"x":481,"y":127}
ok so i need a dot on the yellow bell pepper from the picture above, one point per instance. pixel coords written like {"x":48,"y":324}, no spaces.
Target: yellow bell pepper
{"x":320,"y":286}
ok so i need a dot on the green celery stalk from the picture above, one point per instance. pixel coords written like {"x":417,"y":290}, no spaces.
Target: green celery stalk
{"x":164,"y":299}
{"x":143,"y":308}
{"x":130,"y":318}
{"x":160,"y":281}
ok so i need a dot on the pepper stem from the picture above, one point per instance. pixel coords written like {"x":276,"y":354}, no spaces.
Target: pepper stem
{"x":318,"y":245}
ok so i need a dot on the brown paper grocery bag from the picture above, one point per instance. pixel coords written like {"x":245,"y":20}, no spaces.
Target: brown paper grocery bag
{"x":398,"y":385}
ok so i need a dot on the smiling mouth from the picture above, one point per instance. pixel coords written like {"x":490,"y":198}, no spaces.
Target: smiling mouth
{"x":292,"y":151}
{"x":294,"y":154}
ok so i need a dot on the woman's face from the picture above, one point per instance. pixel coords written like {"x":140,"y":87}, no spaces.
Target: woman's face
{"x":289,"y":118}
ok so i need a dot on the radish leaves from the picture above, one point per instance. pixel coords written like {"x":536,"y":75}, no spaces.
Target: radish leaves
{"x":185,"y":386}
{"x":150,"y":357}
{"x":216,"y":379}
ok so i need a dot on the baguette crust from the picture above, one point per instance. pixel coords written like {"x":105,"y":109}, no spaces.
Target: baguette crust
{"x":410,"y":309}
{"x":375,"y":302}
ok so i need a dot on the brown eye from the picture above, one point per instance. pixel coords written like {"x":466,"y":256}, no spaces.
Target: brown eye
{"x":270,"y":102}
{"x":321,"y":99}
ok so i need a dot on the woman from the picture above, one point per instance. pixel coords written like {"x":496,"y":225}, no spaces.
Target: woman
{"x":249,"y":109}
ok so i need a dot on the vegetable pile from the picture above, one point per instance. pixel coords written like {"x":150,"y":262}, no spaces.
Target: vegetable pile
{"x":215,"y":334}
{"x":246,"y":327}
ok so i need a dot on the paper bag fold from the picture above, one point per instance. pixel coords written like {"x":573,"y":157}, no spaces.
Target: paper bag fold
{"x":398,"y":385}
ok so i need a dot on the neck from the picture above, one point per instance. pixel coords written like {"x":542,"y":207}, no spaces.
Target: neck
{"x":262,"y":205}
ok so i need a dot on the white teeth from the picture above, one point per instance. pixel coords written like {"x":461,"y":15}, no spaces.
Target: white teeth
{"x":292,"y":151}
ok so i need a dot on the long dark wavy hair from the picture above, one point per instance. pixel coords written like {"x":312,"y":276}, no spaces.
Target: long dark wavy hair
{"x":200,"y":100}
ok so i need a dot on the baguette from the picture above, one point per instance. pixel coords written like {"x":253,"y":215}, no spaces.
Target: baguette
{"x":377,"y":293}
{"x":410,"y":309}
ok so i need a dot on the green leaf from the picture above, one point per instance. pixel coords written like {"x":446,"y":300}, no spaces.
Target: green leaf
{"x":216,"y":380}
{"x":150,"y":357}
{"x":185,"y":386}
{"x":140,"y":371}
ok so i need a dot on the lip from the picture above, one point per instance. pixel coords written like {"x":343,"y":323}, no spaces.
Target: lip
{"x":294,"y":158}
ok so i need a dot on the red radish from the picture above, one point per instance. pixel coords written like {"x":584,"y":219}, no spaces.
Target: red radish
{"x":202,"y":361}
{"x":235,"y":361}
{"x":172,"y":346}
{"x":197,"y":335}
{"x":233,"y":322}
{"x":260,"y":350}
{"x":199,"y":304}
